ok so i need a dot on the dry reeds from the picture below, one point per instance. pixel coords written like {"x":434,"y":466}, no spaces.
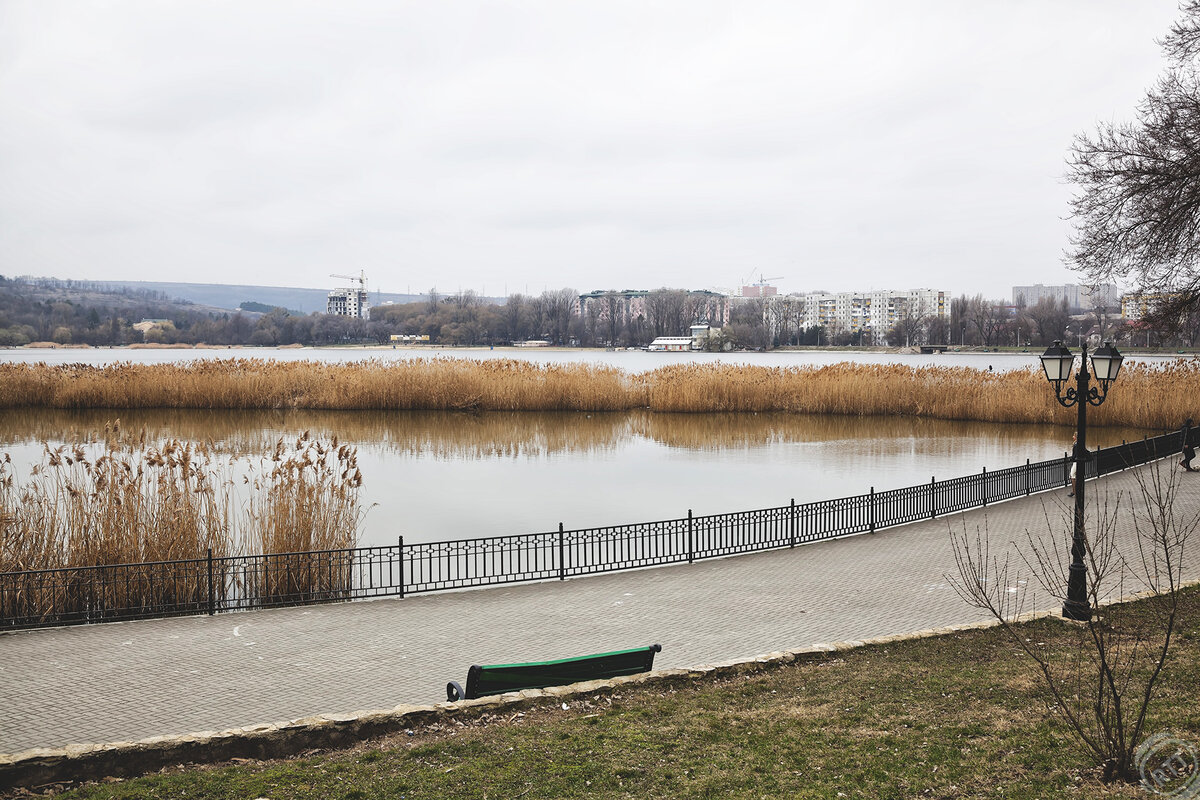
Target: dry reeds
{"x":1149,"y":397}
{"x":1146,"y":396}
{"x":120,"y":499}
{"x":307,"y":502}
{"x":439,"y":384}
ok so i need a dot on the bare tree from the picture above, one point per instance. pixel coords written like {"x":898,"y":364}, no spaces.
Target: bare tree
{"x":613,"y":315}
{"x":1136,"y":210}
{"x":1050,"y":319}
{"x":1102,"y":684}
{"x":517,"y":317}
{"x":986,"y":319}
{"x":559,"y":306}
{"x":665,"y":311}
{"x":909,"y":326}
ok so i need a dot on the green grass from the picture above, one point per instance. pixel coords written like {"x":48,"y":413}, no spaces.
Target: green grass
{"x":959,"y":716}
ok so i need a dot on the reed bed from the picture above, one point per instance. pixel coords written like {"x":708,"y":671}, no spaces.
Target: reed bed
{"x":115,"y":498}
{"x":307,"y":502}
{"x":436,"y":384}
{"x":1147,"y":396}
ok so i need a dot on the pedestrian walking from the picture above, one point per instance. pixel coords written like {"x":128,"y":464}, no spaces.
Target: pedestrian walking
{"x":1189,"y":452}
{"x":1074,"y":462}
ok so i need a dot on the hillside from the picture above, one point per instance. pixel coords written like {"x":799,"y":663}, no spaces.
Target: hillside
{"x":230,"y":296}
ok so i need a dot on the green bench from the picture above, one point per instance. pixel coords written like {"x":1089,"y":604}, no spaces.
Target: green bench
{"x":501,"y":678}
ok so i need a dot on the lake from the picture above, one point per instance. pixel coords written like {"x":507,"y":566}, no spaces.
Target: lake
{"x":438,"y":475}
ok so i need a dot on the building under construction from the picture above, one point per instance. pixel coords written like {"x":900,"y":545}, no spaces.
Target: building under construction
{"x":350,"y":302}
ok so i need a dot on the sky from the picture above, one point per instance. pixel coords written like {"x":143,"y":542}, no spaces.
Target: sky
{"x":521,"y":146}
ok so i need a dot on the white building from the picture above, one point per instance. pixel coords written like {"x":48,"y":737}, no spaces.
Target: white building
{"x":874,"y":312}
{"x":1079,"y":298}
{"x":348,"y":303}
{"x":673,"y":344}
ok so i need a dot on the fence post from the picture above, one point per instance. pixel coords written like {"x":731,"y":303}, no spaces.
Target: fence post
{"x":402,"y":566}
{"x":1027,"y":477}
{"x":983,"y":486}
{"x":562,"y":564}
{"x":792,"y":524}
{"x":872,"y":502}
{"x":212,"y":600}
{"x":933,"y":496}
{"x":691,"y":545}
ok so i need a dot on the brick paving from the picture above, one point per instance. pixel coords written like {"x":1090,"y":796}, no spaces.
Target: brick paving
{"x":127,"y":681}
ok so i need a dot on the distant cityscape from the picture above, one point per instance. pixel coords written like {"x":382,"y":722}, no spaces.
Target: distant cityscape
{"x":753,"y":316}
{"x":872,"y":317}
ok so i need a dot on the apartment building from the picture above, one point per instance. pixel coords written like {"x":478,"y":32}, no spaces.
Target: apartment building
{"x":1136,"y":305}
{"x":874,"y":312}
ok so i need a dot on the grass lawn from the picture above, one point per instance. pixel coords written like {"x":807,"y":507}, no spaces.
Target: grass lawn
{"x":958,"y":716}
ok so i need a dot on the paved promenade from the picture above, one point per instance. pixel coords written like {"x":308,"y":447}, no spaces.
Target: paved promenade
{"x":127,"y":681}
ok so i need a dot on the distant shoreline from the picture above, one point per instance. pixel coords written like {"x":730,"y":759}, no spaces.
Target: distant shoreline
{"x":416,"y":348}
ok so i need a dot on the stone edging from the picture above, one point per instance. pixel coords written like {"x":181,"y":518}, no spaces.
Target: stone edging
{"x":75,"y":763}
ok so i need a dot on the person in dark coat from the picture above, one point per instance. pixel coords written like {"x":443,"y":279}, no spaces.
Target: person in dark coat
{"x":1074,"y":440}
{"x":1189,"y":452}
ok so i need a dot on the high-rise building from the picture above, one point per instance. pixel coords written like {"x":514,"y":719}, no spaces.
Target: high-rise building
{"x":1079,"y":298}
{"x":348,"y":303}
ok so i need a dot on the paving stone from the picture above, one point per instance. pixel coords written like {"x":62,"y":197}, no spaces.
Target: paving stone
{"x":135,"y":680}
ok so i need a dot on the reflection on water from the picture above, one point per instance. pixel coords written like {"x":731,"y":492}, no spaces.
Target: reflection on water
{"x":442,"y":475}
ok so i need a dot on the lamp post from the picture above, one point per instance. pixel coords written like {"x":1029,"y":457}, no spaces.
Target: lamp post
{"x":1058,"y":362}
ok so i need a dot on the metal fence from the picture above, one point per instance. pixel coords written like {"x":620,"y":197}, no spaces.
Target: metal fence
{"x":79,"y":595}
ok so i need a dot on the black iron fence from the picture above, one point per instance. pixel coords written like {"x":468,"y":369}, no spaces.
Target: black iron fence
{"x":78,"y":595}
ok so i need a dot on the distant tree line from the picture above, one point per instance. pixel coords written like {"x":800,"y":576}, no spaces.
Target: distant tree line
{"x":80,"y":312}
{"x":975,"y":321}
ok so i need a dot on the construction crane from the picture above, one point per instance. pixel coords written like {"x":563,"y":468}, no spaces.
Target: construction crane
{"x":361,"y":278}
{"x":761,"y":282}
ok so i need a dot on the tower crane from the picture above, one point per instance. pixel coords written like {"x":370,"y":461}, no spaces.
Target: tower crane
{"x":361,"y":278}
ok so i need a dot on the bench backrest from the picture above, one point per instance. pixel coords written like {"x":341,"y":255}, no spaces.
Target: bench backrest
{"x":500,"y":678}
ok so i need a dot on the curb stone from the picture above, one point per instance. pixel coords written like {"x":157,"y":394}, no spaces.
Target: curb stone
{"x":76,"y":763}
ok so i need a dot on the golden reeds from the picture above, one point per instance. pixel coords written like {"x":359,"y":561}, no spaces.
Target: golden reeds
{"x":307,"y":502}
{"x":1147,"y":396}
{"x":439,"y":384}
{"x":121,"y":499}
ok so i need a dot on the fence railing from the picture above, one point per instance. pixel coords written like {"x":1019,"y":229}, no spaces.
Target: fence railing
{"x":79,"y":595}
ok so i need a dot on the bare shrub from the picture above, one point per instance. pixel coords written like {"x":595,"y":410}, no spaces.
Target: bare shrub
{"x":1103,"y":684}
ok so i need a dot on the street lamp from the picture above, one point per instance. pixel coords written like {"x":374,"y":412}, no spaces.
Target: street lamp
{"x":1058,"y":362}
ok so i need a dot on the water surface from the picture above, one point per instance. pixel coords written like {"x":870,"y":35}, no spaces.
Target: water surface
{"x":443,"y":475}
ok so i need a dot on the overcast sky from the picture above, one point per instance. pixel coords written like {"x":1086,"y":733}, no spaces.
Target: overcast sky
{"x":528,"y":145}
